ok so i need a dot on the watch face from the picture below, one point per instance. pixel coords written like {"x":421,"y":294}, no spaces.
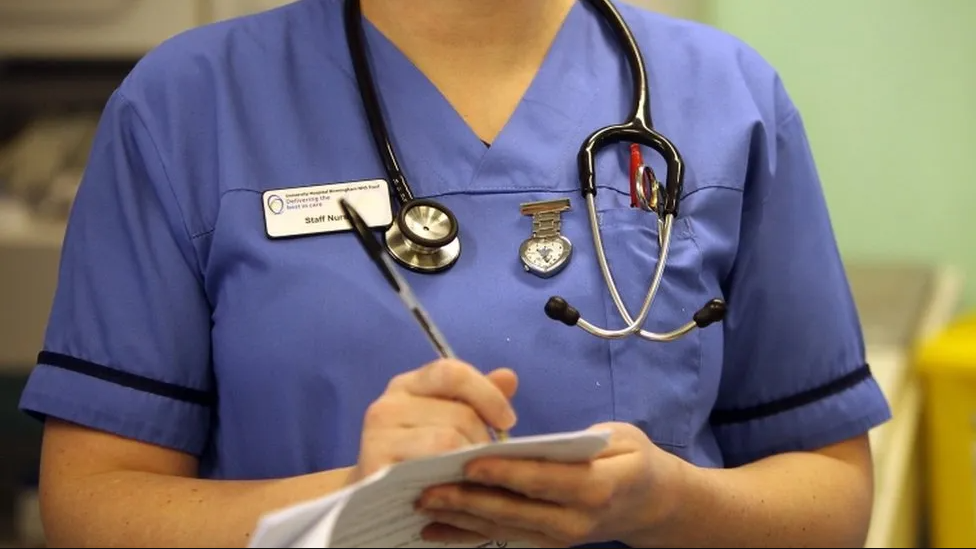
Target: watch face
{"x":545,"y":256}
{"x":544,"y":253}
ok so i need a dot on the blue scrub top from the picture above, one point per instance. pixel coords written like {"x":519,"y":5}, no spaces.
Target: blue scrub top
{"x":178,"y":322}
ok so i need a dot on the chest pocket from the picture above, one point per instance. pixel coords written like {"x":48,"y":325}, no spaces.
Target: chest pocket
{"x":656,"y":384}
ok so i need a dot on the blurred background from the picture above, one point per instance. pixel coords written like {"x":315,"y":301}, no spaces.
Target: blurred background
{"x":887,"y":89}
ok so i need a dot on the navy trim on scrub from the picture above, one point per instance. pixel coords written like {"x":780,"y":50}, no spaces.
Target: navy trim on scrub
{"x":126,"y":379}
{"x":726,"y":417}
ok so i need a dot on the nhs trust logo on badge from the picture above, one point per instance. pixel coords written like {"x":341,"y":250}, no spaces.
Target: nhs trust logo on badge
{"x":298,"y":200}
{"x":276,"y":204}
{"x":315,"y":209}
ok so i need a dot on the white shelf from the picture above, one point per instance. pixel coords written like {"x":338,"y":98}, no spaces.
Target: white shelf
{"x":93,"y":28}
{"x":896,"y":516}
{"x":29,"y":257}
{"x":225,"y":9}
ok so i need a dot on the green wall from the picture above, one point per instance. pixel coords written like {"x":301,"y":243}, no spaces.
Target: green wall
{"x":888,"y":93}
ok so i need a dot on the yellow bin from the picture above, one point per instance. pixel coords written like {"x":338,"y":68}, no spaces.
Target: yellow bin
{"x":947,"y":364}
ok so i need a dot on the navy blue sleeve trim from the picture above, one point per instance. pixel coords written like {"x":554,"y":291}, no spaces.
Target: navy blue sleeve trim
{"x":742,"y":415}
{"x":126,"y":379}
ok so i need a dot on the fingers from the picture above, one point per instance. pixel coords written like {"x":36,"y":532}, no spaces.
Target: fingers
{"x":458,"y":528}
{"x":455,"y":380}
{"x":561,"y":483}
{"x":440,"y":532}
{"x":505,"y":380}
{"x":485,"y":510}
{"x":383,"y":447}
{"x":439,"y":408}
{"x":624,"y":439}
{"x":404,"y":411}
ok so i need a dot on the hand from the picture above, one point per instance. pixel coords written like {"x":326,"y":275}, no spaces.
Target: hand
{"x":441,"y":407}
{"x":625,"y":489}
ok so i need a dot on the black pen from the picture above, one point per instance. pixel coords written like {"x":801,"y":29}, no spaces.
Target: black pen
{"x":375,"y":252}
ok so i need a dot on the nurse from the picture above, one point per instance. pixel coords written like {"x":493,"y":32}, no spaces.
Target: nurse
{"x":199,"y":371}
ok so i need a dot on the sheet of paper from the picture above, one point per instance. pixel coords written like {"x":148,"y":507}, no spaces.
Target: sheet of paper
{"x":286,"y":527}
{"x":378,"y":512}
{"x":382,"y":515}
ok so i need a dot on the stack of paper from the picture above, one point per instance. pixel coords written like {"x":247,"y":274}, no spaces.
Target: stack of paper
{"x":379,"y":511}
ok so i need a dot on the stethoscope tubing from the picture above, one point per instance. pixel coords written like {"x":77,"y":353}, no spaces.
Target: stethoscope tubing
{"x":367,"y":89}
{"x":636,"y":130}
{"x":633,"y":325}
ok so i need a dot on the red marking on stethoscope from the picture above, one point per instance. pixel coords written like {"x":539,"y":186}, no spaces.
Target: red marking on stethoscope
{"x":641,"y":174}
{"x":636,"y":160}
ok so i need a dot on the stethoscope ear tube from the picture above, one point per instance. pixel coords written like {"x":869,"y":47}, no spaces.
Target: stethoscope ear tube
{"x":637,"y":130}
{"x":639,"y":127}
{"x":557,"y":308}
{"x":424,"y":237}
{"x":633,"y":132}
{"x":371,"y":104}
{"x":712,"y":312}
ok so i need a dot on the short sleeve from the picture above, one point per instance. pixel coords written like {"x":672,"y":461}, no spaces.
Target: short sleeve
{"x":795,"y":374}
{"x":127,"y":346}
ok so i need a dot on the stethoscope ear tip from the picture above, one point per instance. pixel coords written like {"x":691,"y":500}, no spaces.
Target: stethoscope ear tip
{"x":712,"y":312}
{"x":558,"y":309}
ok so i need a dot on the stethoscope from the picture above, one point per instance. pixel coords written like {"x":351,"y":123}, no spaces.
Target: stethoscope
{"x":424,"y":236}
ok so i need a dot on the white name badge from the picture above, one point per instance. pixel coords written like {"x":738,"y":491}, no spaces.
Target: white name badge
{"x":312,"y":210}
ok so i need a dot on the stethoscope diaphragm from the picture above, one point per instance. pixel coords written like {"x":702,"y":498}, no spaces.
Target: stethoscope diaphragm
{"x":424,"y":236}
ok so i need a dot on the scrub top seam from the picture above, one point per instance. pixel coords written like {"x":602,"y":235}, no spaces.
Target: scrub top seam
{"x":789,"y":117}
{"x":344,"y":64}
{"x":256,"y":39}
{"x":792,"y":117}
{"x":693,"y":237}
{"x":203,"y":233}
{"x":491,"y":191}
{"x":501,"y":190}
{"x":166,"y":175}
{"x":716,"y":186}
{"x":568,"y":146}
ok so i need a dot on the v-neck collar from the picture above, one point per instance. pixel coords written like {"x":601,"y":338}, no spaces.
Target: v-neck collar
{"x":440,"y":154}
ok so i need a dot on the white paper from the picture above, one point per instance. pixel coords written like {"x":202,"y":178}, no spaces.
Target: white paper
{"x":379,"y":511}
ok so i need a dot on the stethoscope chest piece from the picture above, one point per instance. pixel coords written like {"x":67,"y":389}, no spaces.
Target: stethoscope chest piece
{"x":547,"y":251}
{"x":424,"y":237}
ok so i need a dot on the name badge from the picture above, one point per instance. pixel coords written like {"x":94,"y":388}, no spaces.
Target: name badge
{"x":301,"y":211}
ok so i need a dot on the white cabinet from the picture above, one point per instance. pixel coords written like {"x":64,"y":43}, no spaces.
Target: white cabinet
{"x":93,"y":28}
{"x":225,"y":9}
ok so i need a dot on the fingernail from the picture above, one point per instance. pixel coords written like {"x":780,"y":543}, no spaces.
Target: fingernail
{"x":433,"y":504}
{"x":509,"y":420}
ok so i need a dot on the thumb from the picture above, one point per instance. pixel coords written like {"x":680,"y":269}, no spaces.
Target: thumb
{"x":624,"y":438}
{"x":506,"y":380}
